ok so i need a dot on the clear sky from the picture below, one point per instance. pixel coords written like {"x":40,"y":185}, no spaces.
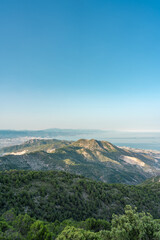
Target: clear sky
{"x":80,"y":64}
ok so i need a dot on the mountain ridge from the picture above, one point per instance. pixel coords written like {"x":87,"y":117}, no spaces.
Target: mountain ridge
{"x":99,"y":160}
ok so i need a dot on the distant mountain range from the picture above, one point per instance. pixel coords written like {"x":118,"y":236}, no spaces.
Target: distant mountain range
{"x":57,"y":132}
{"x":99,"y":160}
{"x":141,"y":140}
{"x":47,"y":133}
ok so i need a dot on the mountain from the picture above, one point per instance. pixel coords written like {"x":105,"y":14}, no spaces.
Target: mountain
{"x":99,"y":160}
{"x":56,"y":195}
{"x":141,"y":140}
{"x":15,"y":137}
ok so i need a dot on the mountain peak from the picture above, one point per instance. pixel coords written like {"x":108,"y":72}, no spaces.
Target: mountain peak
{"x":93,"y":144}
{"x":87,"y":143}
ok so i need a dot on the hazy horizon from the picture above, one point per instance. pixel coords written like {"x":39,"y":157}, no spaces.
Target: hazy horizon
{"x":140,"y":140}
{"x":82,"y":129}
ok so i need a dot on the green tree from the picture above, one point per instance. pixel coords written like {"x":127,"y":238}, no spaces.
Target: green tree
{"x":39,"y":231}
{"x":23,"y":223}
{"x":72,"y":233}
{"x":134,"y":226}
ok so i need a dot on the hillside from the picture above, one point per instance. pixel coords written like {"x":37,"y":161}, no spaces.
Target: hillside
{"x":99,"y":160}
{"x":54,"y":195}
{"x":35,"y":145}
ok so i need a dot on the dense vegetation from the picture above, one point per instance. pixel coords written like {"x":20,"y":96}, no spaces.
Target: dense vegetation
{"x":46,"y":205}
{"x":129,"y":226}
{"x":54,"y":195}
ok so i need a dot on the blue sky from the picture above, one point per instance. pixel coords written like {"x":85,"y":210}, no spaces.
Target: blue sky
{"x":80,"y":64}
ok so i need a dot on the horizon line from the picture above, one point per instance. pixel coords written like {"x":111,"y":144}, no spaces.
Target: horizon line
{"x":85,"y":129}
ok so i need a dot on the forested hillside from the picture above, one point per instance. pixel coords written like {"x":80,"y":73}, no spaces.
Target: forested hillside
{"x":37,"y":204}
{"x":53,"y":195}
{"x":129,"y":226}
